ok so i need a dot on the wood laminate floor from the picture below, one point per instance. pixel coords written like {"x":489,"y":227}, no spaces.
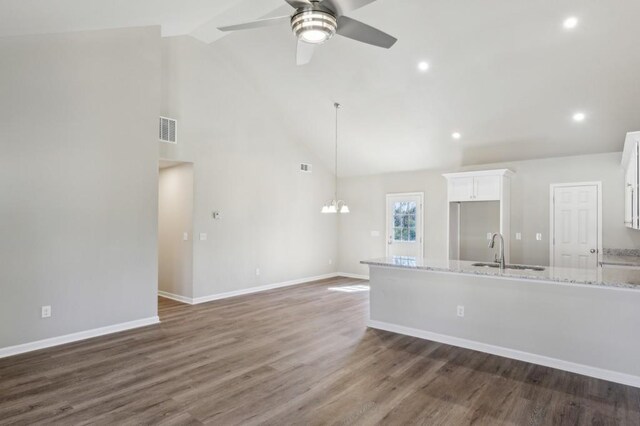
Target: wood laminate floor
{"x":298,"y":355}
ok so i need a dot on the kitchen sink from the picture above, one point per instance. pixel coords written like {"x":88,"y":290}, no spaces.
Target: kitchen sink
{"x":516,"y":267}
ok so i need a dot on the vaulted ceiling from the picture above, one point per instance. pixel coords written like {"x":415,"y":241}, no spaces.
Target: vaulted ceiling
{"x":199,"y":18}
{"x":505,"y":74}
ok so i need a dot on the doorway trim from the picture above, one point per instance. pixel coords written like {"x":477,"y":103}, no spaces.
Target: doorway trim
{"x":386,"y":221}
{"x":552,"y":228}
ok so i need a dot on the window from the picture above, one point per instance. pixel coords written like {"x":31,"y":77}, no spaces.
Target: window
{"x":404,"y":221}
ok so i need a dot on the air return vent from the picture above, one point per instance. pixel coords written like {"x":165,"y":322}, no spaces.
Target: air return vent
{"x":168,"y":130}
{"x":305,"y":168}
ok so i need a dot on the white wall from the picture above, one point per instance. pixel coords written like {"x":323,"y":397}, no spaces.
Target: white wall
{"x":529,"y":207}
{"x":175,"y":217}
{"x":478,"y":219}
{"x":78,"y":181}
{"x":245,"y":166}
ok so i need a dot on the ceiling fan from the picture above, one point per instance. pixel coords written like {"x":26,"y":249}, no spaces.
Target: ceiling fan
{"x":316,"y":21}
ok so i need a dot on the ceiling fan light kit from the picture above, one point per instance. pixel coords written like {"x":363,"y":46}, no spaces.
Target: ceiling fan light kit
{"x":314,"y":26}
{"x":316,"y":21}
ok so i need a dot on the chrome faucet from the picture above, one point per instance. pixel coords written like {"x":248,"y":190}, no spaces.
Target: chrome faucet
{"x":492,"y":245}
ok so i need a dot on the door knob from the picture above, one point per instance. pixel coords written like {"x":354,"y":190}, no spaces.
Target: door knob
{"x":593,"y":251}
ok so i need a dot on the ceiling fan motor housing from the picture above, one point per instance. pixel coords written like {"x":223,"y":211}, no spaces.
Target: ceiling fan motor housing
{"x":314,"y":25}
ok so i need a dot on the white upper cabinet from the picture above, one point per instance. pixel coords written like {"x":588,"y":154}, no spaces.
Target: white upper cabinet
{"x":631,"y":164}
{"x":487,"y":188}
{"x":461,"y":189}
{"x":476,"y":186}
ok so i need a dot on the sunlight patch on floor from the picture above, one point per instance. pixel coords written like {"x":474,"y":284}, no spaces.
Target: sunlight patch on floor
{"x":350,"y":288}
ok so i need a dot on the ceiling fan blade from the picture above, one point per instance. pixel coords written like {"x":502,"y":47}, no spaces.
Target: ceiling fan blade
{"x":297,"y":4}
{"x":364,"y":33}
{"x":345,"y":6}
{"x":304,"y":53}
{"x":269,"y":22}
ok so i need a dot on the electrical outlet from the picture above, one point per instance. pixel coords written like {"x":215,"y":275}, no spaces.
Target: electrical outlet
{"x":539,"y":237}
{"x":518,"y":236}
{"x":257,"y":272}
{"x":460,"y":311}
{"x":203,"y":236}
{"x":375,"y":234}
{"x":489,"y":235}
{"x":46,"y":312}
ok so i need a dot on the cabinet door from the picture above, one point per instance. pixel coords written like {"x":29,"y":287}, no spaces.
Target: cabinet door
{"x":631,"y":187}
{"x":635,"y":199}
{"x":629,"y":196}
{"x":486,"y":188}
{"x":461,"y":189}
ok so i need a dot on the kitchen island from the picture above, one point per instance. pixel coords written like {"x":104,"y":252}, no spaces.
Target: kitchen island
{"x":583,"y":321}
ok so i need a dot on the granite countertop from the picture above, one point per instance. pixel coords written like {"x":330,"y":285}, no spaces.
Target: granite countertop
{"x":611,"y":259}
{"x":628,"y":278}
{"x":621,"y":257}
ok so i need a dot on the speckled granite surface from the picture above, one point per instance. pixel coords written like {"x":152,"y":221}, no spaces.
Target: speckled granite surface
{"x":621,"y":257}
{"x":604,"y":277}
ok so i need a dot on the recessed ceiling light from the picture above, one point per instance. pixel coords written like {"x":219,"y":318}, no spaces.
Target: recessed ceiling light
{"x":456,"y":135}
{"x":423,"y":66}
{"x":570,"y":23}
{"x":579,"y":117}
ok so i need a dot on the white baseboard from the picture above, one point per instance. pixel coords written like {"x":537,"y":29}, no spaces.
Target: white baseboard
{"x":74,"y":337}
{"x":354,"y":276}
{"x":586,"y":370}
{"x":211,"y":298}
{"x":176,"y":297}
{"x":219,"y":296}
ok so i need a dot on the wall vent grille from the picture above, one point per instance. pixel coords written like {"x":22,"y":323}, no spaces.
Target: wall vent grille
{"x":306,"y":168}
{"x":168,"y":130}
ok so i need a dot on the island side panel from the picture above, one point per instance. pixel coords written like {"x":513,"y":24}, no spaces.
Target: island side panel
{"x":593,"y":326}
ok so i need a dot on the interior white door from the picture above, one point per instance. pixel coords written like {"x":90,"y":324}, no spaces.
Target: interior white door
{"x":404,"y":225}
{"x":575,"y":217}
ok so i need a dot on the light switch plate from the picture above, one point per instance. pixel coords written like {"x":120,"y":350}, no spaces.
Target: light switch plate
{"x":518,"y":236}
{"x":489,"y":235}
{"x":185,"y":236}
{"x":375,"y":233}
{"x":203,"y":236}
{"x":46,"y":311}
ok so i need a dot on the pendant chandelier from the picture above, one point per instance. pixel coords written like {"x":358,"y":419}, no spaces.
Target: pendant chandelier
{"x":336,"y":205}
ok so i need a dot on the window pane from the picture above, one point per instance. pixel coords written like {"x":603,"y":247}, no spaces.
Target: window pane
{"x":405,"y":221}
